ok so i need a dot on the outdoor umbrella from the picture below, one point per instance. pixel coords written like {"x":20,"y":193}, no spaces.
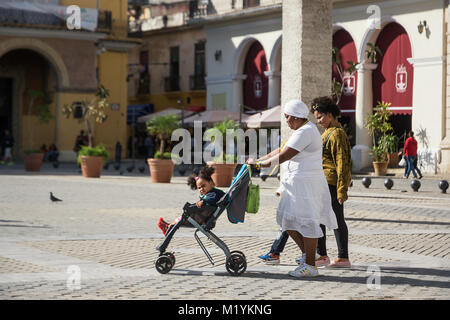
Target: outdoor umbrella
{"x":265,"y":119}
{"x":176,"y":112}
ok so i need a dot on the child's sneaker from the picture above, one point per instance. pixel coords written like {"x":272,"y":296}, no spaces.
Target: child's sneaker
{"x":304,"y":271}
{"x":270,"y":258}
{"x":163,"y":225}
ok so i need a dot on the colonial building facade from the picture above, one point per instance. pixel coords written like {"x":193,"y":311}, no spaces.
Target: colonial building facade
{"x":39,"y":51}
{"x":244,"y":64}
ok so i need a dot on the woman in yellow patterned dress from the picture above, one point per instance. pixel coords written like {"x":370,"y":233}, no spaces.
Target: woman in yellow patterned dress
{"x":336,"y":161}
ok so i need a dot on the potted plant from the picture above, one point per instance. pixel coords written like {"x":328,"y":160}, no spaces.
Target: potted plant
{"x":224,"y":164}
{"x":92,"y":159}
{"x":378,"y":125}
{"x":391,"y":143}
{"x":33,"y":157}
{"x":161,"y":165}
{"x":95,"y":108}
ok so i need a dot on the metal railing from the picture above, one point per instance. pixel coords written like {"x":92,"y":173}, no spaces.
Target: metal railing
{"x":197,"y":82}
{"x":172,"y":83}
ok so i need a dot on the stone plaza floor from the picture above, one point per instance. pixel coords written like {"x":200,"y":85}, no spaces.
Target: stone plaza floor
{"x":100,"y":242}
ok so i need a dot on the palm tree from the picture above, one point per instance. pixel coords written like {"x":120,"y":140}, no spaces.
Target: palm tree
{"x":162,"y":127}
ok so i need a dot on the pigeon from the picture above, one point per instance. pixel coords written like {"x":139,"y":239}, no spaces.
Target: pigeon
{"x":53,"y":198}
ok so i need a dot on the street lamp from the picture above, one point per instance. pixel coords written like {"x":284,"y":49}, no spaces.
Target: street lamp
{"x":180,"y":103}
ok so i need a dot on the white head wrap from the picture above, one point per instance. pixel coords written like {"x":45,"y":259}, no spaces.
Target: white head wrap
{"x":296,"y":108}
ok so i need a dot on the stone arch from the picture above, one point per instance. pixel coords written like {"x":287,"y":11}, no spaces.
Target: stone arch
{"x":371,"y":35}
{"x":275,"y":56}
{"x":241,"y":54}
{"x":42,"y":48}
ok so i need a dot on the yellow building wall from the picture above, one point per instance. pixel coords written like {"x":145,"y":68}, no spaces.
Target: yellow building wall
{"x":112,"y":74}
{"x":163,"y":101}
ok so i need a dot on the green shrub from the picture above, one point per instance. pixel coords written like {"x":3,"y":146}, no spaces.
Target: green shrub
{"x":165,"y":155}
{"x":98,"y":151}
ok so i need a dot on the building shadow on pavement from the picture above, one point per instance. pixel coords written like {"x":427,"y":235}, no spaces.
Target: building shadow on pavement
{"x":399,"y":221}
{"x":386,"y":279}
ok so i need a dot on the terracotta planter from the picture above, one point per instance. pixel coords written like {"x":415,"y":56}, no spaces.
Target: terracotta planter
{"x":223,"y":174}
{"x":161,"y":170}
{"x":91,"y":167}
{"x":393,"y":160}
{"x":33,"y":161}
{"x":380,"y":168}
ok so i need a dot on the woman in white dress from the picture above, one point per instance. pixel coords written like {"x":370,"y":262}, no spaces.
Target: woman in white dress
{"x":305,"y":201}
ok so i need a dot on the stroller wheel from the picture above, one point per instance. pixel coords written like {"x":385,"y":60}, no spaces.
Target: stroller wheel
{"x":238,"y":252}
{"x":236,"y":264}
{"x":171,"y":257}
{"x":163,"y":264}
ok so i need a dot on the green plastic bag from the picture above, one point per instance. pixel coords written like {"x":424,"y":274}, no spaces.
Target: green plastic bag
{"x":252,"y":205}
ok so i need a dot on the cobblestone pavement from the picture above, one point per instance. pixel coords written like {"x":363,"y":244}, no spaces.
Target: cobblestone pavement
{"x":106,"y":229}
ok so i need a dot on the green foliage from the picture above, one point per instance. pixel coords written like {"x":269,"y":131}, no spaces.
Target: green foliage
{"x":372,"y":52}
{"x":378,"y":125}
{"x":337,"y":86}
{"x":390,"y":142}
{"x":162,"y":127}
{"x":165,"y":155}
{"x":95,"y":108}
{"x":98,"y":151}
{"x":224,"y":126}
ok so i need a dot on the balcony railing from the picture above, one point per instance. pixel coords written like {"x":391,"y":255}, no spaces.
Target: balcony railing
{"x":172,"y":83}
{"x":199,"y":8}
{"x":16,"y":17}
{"x":197,"y":82}
{"x":143,"y":86}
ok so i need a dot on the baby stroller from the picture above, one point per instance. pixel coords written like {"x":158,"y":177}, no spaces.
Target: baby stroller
{"x":234,"y":201}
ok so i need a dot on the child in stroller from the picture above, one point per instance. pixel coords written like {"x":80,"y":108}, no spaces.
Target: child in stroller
{"x":209,"y":196}
{"x":213,"y":203}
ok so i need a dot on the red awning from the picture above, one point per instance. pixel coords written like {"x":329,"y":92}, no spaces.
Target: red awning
{"x":256,"y":85}
{"x":195,"y":108}
{"x":393,"y":79}
{"x":347,"y":51}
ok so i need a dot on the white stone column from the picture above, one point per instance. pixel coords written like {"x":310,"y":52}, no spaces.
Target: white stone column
{"x":238,"y":91}
{"x":306,"y":55}
{"x":274,"y":93}
{"x":364,"y":100}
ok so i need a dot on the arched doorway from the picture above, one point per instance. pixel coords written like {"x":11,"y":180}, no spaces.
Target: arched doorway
{"x":345,"y":53}
{"x":20,"y":71}
{"x":392,"y":81}
{"x":256,"y":83}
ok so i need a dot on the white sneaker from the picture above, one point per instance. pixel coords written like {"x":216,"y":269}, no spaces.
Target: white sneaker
{"x":304,"y":271}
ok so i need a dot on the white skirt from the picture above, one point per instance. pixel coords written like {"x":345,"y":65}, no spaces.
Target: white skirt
{"x":305,"y":204}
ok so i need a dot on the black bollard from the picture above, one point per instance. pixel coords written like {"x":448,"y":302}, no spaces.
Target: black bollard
{"x":366,"y":181}
{"x":443,"y":185}
{"x":181,"y":169}
{"x":415,"y":185}
{"x":388,"y":183}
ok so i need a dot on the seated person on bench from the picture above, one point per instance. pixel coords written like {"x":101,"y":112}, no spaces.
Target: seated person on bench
{"x":209,"y":196}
